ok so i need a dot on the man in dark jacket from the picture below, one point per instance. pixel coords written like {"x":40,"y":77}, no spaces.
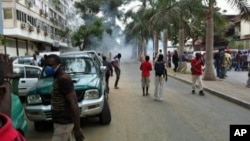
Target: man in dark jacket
{"x":108,"y":73}
{"x":175,"y":59}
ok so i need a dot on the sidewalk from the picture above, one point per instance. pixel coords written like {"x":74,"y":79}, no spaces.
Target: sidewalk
{"x":232,"y":88}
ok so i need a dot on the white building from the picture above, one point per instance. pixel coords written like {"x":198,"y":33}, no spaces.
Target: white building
{"x":32,"y":25}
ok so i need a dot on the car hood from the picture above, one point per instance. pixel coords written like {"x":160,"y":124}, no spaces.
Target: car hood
{"x":43,"y":86}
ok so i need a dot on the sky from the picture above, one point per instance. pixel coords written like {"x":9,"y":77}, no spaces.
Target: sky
{"x":224,"y":5}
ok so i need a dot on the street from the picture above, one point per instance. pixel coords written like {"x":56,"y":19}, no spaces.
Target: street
{"x":181,"y":116}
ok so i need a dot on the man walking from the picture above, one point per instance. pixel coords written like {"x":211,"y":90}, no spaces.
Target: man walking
{"x":145,"y":68}
{"x":64,"y":106}
{"x":196,"y":71}
{"x":160,"y":75}
{"x":116,"y":64}
{"x":108,"y":73}
{"x":175,"y":59}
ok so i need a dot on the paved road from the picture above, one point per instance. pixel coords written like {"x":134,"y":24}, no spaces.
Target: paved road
{"x":180,"y":117}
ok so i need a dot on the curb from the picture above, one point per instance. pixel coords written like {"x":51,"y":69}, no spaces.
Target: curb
{"x":235,"y":100}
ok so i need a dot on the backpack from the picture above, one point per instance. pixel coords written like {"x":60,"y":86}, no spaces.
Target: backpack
{"x":159,"y":68}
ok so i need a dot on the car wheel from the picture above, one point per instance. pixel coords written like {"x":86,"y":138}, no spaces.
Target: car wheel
{"x":105,"y":116}
{"x":39,"y":125}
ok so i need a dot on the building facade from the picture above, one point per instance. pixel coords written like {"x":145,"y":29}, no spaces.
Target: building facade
{"x":33,"y":25}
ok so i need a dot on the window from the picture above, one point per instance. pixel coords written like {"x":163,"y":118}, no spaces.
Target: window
{"x":32,"y":72}
{"x":19,"y":71}
{"x":7,"y":13}
{"x":19,"y":15}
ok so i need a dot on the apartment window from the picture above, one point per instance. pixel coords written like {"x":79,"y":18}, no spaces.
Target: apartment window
{"x":7,"y":13}
{"x":18,"y":15}
{"x":24,"y":19}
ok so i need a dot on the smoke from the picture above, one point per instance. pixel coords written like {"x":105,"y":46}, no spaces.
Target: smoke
{"x":115,"y":43}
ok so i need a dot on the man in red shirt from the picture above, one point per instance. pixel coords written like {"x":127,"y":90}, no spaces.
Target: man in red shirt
{"x":7,"y":132}
{"x":196,"y":71}
{"x":145,"y":68}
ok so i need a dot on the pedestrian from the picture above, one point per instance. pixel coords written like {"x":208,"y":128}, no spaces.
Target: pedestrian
{"x":34,"y":61}
{"x":169,"y":59}
{"x":145,"y":68}
{"x":184,"y":60}
{"x":43,"y":60}
{"x":108,"y":73}
{"x":175,"y":59}
{"x":196,"y":72}
{"x":116,"y":64}
{"x":217,"y":63}
{"x":160,"y":77}
{"x":157,"y":55}
{"x":7,"y":132}
{"x":64,"y":106}
{"x":248,"y":81}
{"x":238,"y":61}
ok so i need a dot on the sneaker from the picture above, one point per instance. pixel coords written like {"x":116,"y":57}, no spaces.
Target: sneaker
{"x":201,"y":93}
{"x":116,"y":87}
{"x":193,"y":91}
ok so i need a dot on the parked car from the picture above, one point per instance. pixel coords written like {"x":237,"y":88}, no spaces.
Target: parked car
{"x":87,"y":74}
{"x":17,"y":115}
{"x":28,"y":77}
{"x":26,"y":60}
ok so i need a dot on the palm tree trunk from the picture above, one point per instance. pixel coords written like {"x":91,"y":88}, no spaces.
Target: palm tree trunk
{"x":156,"y":44}
{"x":165,"y":44}
{"x":181,"y":44}
{"x":209,"y":71}
{"x":144,"y":47}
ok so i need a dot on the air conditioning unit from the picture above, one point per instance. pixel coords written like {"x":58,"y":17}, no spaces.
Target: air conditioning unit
{"x":31,"y":28}
{"x":45,"y":33}
{"x":23,"y":25}
{"x":38,"y":29}
{"x":41,"y":12}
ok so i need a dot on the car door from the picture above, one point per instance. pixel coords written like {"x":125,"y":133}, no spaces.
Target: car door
{"x":32,"y":75}
{"x":19,"y":70}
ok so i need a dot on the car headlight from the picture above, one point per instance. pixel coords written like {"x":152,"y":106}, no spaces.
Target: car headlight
{"x":91,"y":94}
{"x":34,"y":99}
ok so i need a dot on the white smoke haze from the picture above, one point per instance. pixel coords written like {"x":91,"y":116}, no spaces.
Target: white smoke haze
{"x":115,"y":43}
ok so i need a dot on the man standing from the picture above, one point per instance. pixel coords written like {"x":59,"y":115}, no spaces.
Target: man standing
{"x":7,"y":132}
{"x":108,"y":73}
{"x":175,"y":59}
{"x":116,"y":64}
{"x":160,"y":75}
{"x":64,"y":105}
{"x":145,"y":68}
{"x":169,"y":59}
{"x":196,"y":71}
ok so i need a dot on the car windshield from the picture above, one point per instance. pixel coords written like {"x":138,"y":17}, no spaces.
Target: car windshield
{"x":78,"y":65}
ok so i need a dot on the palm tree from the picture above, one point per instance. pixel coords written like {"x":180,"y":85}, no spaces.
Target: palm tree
{"x":244,"y":13}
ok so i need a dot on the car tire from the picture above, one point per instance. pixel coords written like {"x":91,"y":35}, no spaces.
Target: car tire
{"x":39,"y":125}
{"x":105,"y":116}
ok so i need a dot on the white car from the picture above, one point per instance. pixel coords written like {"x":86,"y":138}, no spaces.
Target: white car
{"x":28,"y":77}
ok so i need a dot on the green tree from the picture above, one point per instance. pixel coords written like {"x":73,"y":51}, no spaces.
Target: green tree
{"x":244,"y":13}
{"x":82,"y":37}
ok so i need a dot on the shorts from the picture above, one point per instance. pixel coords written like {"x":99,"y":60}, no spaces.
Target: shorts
{"x":145,"y":81}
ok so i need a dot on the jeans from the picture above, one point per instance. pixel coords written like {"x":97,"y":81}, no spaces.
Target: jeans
{"x":118,"y":73}
{"x":237,"y":68}
{"x":159,"y":86}
{"x":218,"y":69}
